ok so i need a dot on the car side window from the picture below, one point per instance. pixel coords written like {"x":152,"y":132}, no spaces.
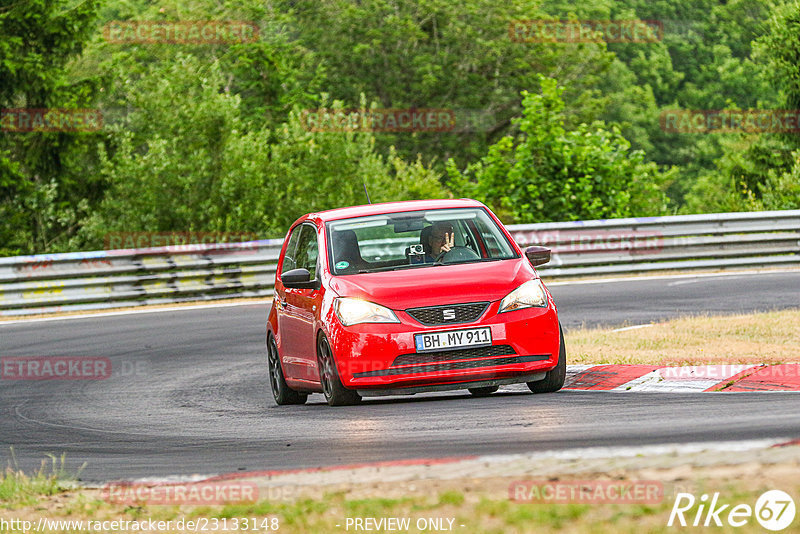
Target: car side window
{"x":307,"y":250}
{"x":289,"y":261}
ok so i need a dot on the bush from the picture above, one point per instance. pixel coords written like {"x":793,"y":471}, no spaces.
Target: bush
{"x":547,"y":173}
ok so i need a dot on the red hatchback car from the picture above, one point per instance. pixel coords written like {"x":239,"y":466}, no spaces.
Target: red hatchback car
{"x":405,"y":297}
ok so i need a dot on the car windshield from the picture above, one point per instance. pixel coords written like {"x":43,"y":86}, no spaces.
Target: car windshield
{"x":415,"y":239}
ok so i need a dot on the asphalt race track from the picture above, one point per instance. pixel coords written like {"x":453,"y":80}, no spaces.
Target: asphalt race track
{"x":189,"y":394}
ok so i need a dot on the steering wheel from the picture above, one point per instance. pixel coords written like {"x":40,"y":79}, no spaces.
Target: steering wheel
{"x":457,"y":254}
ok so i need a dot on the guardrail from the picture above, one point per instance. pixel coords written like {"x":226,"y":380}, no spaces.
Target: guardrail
{"x":134,"y":277}
{"x":684,"y":242}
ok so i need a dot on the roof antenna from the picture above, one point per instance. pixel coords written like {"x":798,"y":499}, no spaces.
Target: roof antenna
{"x":367,"y":193}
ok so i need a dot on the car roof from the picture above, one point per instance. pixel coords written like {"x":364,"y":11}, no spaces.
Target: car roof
{"x":393,"y":207}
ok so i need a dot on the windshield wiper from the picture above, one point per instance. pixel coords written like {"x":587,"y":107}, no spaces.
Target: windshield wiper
{"x":476,"y":260}
{"x":479,"y":260}
{"x":427,"y":264}
{"x":400,"y":267}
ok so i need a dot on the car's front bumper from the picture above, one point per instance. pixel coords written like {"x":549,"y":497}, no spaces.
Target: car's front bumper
{"x":379,"y":357}
{"x":411,"y":390}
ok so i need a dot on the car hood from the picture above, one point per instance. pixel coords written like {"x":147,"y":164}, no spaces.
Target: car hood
{"x":429,"y":286}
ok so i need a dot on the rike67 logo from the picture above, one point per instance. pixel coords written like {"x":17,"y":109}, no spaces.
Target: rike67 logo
{"x":774,"y":510}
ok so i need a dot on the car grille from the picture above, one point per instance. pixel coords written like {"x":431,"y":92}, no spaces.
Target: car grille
{"x":451,"y":314}
{"x":449,"y":355}
{"x":453,"y":366}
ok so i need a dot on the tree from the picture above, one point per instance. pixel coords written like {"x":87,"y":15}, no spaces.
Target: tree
{"x":703,"y":60}
{"x":186,"y":159}
{"x":761,"y":171}
{"x":549,"y":173}
{"x":458,"y":56}
{"x":42,"y":191}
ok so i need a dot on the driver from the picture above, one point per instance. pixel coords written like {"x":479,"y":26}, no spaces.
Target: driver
{"x":440,"y":239}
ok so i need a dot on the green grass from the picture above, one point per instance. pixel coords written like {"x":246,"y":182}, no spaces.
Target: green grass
{"x":768,"y":337}
{"x":18,"y":488}
{"x":328,"y":513}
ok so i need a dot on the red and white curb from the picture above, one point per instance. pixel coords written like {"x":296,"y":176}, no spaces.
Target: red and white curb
{"x":696,"y":378}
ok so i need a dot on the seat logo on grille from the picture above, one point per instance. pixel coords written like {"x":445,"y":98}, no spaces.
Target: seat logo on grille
{"x":448,"y":315}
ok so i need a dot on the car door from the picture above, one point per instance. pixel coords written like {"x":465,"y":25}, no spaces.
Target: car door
{"x":287,"y":323}
{"x":300,"y":308}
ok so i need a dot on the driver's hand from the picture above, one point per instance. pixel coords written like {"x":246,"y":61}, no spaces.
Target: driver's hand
{"x":449,"y":242}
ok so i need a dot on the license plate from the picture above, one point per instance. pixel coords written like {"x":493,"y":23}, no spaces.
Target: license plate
{"x":455,"y":339}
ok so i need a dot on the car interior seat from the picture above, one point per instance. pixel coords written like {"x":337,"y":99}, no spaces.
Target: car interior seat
{"x":425,"y":239}
{"x":345,"y":249}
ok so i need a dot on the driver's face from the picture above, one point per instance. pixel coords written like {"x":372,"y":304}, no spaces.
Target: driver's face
{"x":439,"y":237}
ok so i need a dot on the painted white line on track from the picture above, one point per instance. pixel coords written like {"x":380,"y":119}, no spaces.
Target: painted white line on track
{"x":71,"y":427}
{"x":665,"y":277}
{"x":695,"y":281}
{"x":633,"y":327}
{"x":636,"y":383}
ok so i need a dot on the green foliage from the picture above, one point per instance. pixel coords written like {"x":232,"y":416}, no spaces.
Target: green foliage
{"x":186,"y":159}
{"x":781,"y":190}
{"x":760,"y":172}
{"x":746,"y":177}
{"x":780,"y":48}
{"x":206,"y":137}
{"x":45,"y":188}
{"x":452,"y":55}
{"x":17,"y":488}
{"x":704,"y":61}
{"x":549,"y":173}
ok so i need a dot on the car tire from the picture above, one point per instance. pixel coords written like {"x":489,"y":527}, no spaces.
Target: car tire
{"x":281,"y":391}
{"x":335,"y":393}
{"x":483,"y":391}
{"x":554,"y":380}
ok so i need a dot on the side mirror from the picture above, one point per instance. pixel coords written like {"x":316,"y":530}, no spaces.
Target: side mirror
{"x":298,"y":279}
{"x":538,"y":255}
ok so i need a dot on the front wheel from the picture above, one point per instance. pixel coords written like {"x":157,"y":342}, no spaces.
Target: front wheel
{"x":281,"y":392}
{"x":335,"y":393}
{"x":554,"y":380}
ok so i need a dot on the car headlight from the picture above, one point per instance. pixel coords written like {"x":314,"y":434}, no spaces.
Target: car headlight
{"x":531,"y":294}
{"x":352,"y":311}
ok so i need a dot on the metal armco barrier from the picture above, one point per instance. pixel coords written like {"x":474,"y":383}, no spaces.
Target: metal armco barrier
{"x":684,"y":242}
{"x":134,"y":277}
